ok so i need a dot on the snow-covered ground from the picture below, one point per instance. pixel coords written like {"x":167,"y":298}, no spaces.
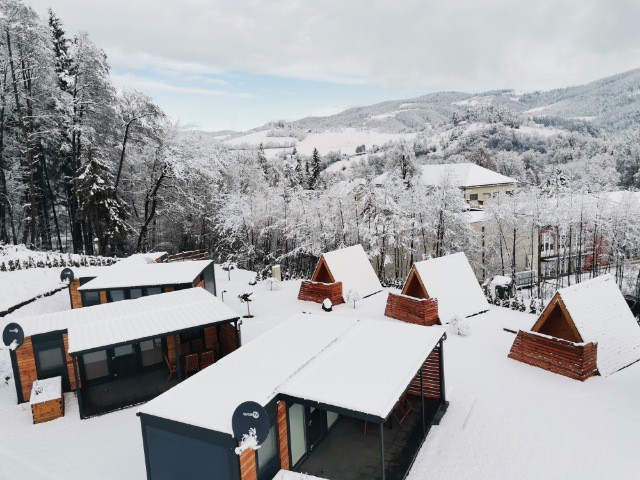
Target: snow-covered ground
{"x":344,"y":140}
{"x":505,"y":419}
{"x":23,"y":285}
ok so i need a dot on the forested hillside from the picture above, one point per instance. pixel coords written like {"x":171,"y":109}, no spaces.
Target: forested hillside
{"x":88,"y":168}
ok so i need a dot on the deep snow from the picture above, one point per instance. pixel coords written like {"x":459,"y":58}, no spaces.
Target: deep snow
{"x":505,"y":419}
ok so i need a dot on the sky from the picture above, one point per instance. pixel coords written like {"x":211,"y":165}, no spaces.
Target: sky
{"x":237,"y":64}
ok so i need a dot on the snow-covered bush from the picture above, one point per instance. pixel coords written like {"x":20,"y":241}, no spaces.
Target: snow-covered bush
{"x":353,"y":296}
{"x":459,"y":326}
{"x":273,"y":283}
{"x":327,"y":305}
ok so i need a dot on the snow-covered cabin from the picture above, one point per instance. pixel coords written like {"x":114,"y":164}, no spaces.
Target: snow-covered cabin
{"x":339,"y":272}
{"x":120,"y":352}
{"x":586,"y":329}
{"x":134,"y":279}
{"x":478,"y":184}
{"x":438,"y":289}
{"x":326,"y":382}
{"x":83,"y":275}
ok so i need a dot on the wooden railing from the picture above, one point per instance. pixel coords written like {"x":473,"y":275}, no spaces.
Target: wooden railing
{"x":421,"y":311}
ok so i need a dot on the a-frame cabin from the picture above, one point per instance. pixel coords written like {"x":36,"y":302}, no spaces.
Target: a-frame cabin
{"x":413,"y":305}
{"x":585,"y":330}
{"x":337,"y":273}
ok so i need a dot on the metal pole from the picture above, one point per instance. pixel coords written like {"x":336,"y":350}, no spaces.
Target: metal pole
{"x":382,"y":448}
{"x":178,"y":358}
{"x":424,"y":422}
{"x":78,"y":386}
{"x":443,"y":397}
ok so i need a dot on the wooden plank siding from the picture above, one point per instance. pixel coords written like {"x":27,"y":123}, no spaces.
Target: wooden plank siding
{"x":76,"y":298}
{"x":228,"y":339}
{"x":69,"y":360}
{"x":210,"y":339}
{"x":421,"y":311}
{"x":316,"y":292}
{"x":430,"y":377}
{"x":248,"y":465}
{"x":46,"y":411}
{"x":103,"y":296}
{"x":26,"y":367}
{"x":283,"y":436}
{"x":577,"y":361}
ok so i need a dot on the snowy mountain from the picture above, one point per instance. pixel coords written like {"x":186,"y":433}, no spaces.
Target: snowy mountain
{"x":611,"y":104}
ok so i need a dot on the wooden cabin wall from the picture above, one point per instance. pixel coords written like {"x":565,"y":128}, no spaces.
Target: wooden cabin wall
{"x":26,"y":367}
{"x":103,"y":296}
{"x":412,"y":310}
{"x":169,"y":288}
{"x":430,"y":377}
{"x":76,"y":298}
{"x":69,"y":360}
{"x":210,"y":338}
{"x":248,"y":465}
{"x":556,"y":324}
{"x":228,"y":338}
{"x":283,"y":435}
{"x":316,"y":292}
{"x":577,"y":361}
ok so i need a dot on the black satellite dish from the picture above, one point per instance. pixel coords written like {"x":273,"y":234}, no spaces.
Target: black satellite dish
{"x":13,"y":332}
{"x":250,"y":415}
{"x":66,"y":275}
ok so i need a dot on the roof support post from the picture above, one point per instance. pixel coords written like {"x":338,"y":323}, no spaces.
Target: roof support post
{"x":443,"y":397}
{"x":76,"y":377}
{"x":238,"y":339}
{"x":424,"y":426}
{"x":178,"y":357}
{"x":381,"y":425}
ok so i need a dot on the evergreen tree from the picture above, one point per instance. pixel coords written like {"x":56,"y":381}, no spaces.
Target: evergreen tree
{"x":262,"y":160}
{"x":315,"y":170}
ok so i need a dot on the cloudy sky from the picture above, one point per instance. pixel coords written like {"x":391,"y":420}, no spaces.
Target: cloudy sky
{"x":236,"y":64}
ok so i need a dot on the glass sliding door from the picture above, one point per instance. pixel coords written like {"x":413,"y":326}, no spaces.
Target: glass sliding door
{"x":96,"y":365}
{"x":151,"y":352}
{"x":298,"y":433}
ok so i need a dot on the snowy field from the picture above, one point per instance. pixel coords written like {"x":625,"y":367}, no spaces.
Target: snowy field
{"x":505,"y":420}
{"x":23,"y":285}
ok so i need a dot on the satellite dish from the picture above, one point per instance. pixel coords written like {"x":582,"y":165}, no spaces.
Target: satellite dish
{"x":66,"y":275}
{"x":13,"y":332}
{"x":250,"y":415}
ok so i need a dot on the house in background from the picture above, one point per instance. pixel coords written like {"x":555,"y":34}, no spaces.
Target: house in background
{"x":118,"y":354}
{"x":585,"y":330}
{"x":134,"y":281}
{"x":438,"y":290}
{"x":328,"y":383}
{"x":339,"y":272}
{"x":478,"y":185}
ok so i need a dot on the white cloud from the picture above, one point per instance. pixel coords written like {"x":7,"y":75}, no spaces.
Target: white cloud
{"x":413,"y":44}
{"x":152,"y":85}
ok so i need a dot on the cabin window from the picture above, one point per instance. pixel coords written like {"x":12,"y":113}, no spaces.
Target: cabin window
{"x":116,"y":295}
{"x":297,"y":433}
{"x":473,"y":196}
{"x":135,"y":293}
{"x":90,"y":299}
{"x":151,"y":351}
{"x":50,"y":359}
{"x":153,"y":290}
{"x":267,"y":454}
{"x":95,"y":365}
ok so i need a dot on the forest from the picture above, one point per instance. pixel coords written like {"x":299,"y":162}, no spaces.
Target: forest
{"x":88,"y":168}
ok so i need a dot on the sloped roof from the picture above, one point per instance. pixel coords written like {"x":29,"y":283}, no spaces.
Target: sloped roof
{"x":451,"y":280}
{"x":146,"y":275}
{"x":352,"y":267}
{"x":464,"y":175}
{"x":57,"y":321}
{"x":126,"y":264}
{"x":189,"y":308}
{"x":600,"y":314}
{"x":362,"y":366}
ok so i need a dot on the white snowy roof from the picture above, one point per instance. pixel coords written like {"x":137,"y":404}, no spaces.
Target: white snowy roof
{"x":368,"y":369}
{"x":189,"y":308}
{"x":289,"y":475}
{"x":601,"y":315}
{"x":253,"y":372}
{"x":451,"y":280}
{"x":464,"y":175}
{"x":352,"y":267}
{"x":126,"y":264}
{"x":363,"y":366}
{"x":146,"y":275}
{"x":58,"y":321}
